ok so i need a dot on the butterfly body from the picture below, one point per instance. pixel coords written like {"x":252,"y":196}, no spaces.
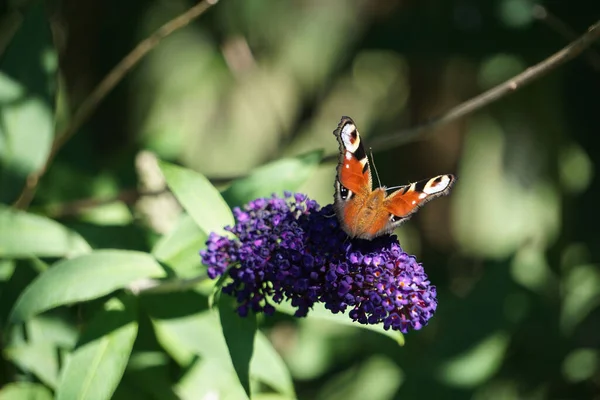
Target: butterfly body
{"x":366,"y":213}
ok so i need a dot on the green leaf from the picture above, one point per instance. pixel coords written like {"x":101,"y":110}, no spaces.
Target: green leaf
{"x":320,"y":312}
{"x":24,"y":273}
{"x":179,"y":248}
{"x":149,"y":373}
{"x":275,"y":177}
{"x":23,"y":235}
{"x":38,"y":351}
{"x":239,"y":334}
{"x":179,"y":337}
{"x":41,"y":359}
{"x":199,"y":198}
{"x":84,"y":278}
{"x":96,"y":366}
{"x":7,"y":268}
{"x":25,"y":390}
{"x":200,"y":334}
{"x":269,"y":367}
{"x":377,"y":377}
{"x":209,"y":378}
{"x":56,"y":328}
{"x":272,"y":396}
{"x":27,"y":86}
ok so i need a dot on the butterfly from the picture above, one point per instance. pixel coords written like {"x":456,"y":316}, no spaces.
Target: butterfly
{"x":366,"y":213}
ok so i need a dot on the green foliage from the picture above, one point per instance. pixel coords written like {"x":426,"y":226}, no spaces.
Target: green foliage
{"x":98,"y":301}
{"x":84,"y":278}
{"x":275,"y":177}
{"x":96,"y":365}
{"x":26,"y":235}
{"x":200,"y":199}
{"x":27,"y":86}
{"x":239,"y":334}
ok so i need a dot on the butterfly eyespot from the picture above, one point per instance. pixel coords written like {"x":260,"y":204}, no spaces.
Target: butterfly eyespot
{"x":345,"y":194}
{"x":394,"y":218}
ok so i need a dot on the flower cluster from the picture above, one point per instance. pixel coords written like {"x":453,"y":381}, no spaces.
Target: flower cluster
{"x":290,"y":249}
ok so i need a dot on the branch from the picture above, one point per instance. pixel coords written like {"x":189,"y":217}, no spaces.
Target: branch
{"x":542,"y":14}
{"x":529,"y":75}
{"x":90,"y":103}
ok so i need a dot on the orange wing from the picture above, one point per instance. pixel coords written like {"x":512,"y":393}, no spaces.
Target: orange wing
{"x":408,"y":199}
{"x":353,"y":183}
{"x":353,"y":169}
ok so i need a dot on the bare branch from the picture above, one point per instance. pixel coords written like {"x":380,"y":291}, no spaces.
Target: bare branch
{"x":526,"y":77}
{"x":529,"y":75}
{"x":542,"y":14}
{"x":90,"y":104}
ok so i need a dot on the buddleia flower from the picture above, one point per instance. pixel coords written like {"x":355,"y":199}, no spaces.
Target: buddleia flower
{"x":291,"y":249}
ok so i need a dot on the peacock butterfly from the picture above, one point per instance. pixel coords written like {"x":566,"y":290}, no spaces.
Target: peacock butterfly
{"x":366,"y":213}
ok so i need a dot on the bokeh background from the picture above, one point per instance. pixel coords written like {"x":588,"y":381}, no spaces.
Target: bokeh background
{"x":513,"y":250}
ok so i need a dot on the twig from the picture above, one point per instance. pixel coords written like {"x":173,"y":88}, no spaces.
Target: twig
{"x":542,"y":14}
{"x":90,"y":104}
{"x":529,"y":75}
{"x":151,"y":286}
{"x":567,"y":53}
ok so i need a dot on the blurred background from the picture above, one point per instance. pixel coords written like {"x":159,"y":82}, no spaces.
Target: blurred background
{"x":513,"y":250}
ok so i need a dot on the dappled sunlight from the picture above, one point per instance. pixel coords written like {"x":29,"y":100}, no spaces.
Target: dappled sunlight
{"x":493,"y":214}
{"x":179,"y":219}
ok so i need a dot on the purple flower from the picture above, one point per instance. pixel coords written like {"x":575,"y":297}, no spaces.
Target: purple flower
{"x":289,"y":249}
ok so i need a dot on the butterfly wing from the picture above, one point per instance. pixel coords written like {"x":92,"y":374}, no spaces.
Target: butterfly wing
{"x":404,"y":202}
{"x":353,"y":184}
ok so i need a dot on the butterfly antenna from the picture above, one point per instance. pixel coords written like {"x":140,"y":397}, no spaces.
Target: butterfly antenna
{"x":374,"y":166}
{"x":398,"y":187}
{"x":394,"y":188}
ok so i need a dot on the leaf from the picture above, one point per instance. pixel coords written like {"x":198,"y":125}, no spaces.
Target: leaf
{"x":209,"y":378}
{"x":27,"y":86}
{"x":179,"y":248}
{"x":41,"y":359}
{"x":377,"y":377}
{"x":84,"y":278}
{"x":7,"y":268}
{"x":96,"y":366}
{"x":276,"y":177}
{"x":476,"y":364}
{"x":269,"y":367}
{"x":38,"y":351}
{"x":320,"y":312}
{"x":179,"y":337}
{"x":23,"y":235}
{"x":24,"y":273}
{"x":272,"y":396}
{"x":198,"y":197}
{"x":56,"y":328}
{"x":239,"y":334}
{"x":25,"y":390}
{"x":167,"y":310}
{"x":149,"y":373}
